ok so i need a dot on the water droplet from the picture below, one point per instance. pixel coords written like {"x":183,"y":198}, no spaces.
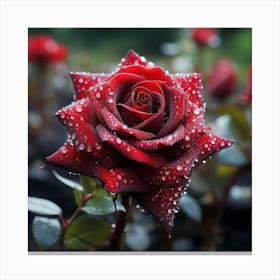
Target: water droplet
{"x":98,"y":95}
{"x":222,"y":144}
{"x":119,"y":176}
{"x":78,"y":108}
{"x":81,"y":80}
{"x":187,"y":138}
{"x":89,"y":149}
{"x":98,"y":147}
{"x":82,"y":146}
{"x":63,"y":150}
{"x":170,"y":138}
{"x":179,"y":167}
{"x":118,"y":140}
{"x":196,"y":111}
{"x":73,"y":136}
{"x":110,"y":100}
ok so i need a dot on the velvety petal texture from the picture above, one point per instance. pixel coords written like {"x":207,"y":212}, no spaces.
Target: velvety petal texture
{"x":138,"y":130}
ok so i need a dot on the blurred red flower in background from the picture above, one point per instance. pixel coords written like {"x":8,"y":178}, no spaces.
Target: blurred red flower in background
{"x":246,"y":95}
{"x":222,"y":79}
{"x":205,"y":37}
{"x":44,"y":49}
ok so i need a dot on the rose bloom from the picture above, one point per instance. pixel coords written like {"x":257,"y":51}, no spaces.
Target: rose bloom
{"x":44,"y":49}
{"x":205,"y":37}
{"x":222,"y":79}
{"x":138,"y":130}
{"x":246,"y":95}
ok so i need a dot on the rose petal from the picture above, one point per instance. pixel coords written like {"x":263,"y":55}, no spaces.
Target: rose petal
{"x":176,"y":108}
{"x":171,"y":174}
{"x":169,"y":140}
{"x":67,"y":157}
{"x":192,"y":85}
{"x":121,"y":128}
{"x":80,"y":122}
{"x":83,"y":81}
{"x":120,"y":180}
{"x":150,"y":73}
{"x":162,"y":204}
{"x":107,"y":93}
{"x":130,"y":152}
{"x":132,"y":58}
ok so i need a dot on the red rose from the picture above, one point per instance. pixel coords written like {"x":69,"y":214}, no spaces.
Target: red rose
{"x":222,"y":79}
{"x":139,"y":130}
{"x":205,"y":37}
{"x":43,"y":49}
{"x":246,"y":95}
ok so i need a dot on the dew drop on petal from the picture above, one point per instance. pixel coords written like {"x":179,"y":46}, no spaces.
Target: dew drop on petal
{"x":89,"y":149}
{"x":63,"y":150}
{"x":179,"y":167}
{"x":78,"y":108}
{"x":82,"y":147}
{"x":196,"y":111}
{"x":110,"y":100}
{"x":119,"y":141}
{"x":98,"y":147}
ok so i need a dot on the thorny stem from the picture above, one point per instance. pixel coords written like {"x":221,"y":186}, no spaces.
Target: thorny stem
{"x":120,"y":225}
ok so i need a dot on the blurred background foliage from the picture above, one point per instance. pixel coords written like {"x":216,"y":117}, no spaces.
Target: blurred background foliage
{"x":216,"y":212}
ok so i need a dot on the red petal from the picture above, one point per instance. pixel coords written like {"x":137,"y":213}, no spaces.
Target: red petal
{"x":192,"y":85}
{"x":171,"y":174}
{"x":175,"y":105}
{"x":130,"y":152}
{"x":120,"y":180}
{"x":150,"y":73}
{"x":67,"y":157}
{"x":122,"y":129}
{"x":169,"y":140}
{"x":132,"y":58}
{"x":107,"y":93}
{"x":211,"y":143}
{"x":80,"y":122}
{"x":83,"y":81}
{"x":162,"y":204}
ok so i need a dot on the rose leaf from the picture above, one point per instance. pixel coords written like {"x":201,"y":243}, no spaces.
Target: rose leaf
{"x":46,"y":231}
{"x":85,"y":233}
{"x":102,"y":206}
{"x":69,"y":183}
{"x":43,"y":207}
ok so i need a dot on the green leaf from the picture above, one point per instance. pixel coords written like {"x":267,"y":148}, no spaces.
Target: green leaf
{"x":43,"y":207}
{"x":46,"y":231}
{"x":88,"y":183}
{"x":85,"y":233}
{"x":77,"y":196}
{"x":69,"y":183}
{"x":102,"y":206}
{"x":191,"y":208}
